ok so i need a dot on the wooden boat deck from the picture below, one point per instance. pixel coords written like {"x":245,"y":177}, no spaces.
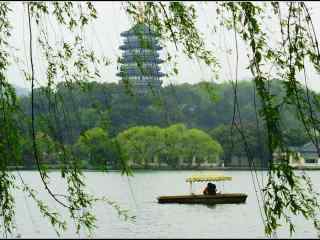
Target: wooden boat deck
{"x":219,"y":198}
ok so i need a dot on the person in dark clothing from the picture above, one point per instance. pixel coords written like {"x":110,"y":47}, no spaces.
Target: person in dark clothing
{"x":211,"y":189}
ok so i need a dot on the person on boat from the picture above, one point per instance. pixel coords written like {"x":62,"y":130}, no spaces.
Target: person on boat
{"x":211,"y":189}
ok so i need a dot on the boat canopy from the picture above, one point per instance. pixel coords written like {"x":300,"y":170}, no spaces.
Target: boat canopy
{"x":208,"y":178}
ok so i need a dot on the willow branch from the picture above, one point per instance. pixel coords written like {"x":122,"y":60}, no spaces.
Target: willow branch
{"x":35,"y":152}
{"x":169,"y":25}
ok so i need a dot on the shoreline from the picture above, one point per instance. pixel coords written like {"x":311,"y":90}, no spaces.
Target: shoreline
{"x":54,"y":168}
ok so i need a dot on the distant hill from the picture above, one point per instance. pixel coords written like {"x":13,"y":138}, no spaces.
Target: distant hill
{"x":20,"y":91}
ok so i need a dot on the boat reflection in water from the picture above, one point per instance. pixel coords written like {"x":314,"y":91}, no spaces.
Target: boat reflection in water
{"x":217,"y":198}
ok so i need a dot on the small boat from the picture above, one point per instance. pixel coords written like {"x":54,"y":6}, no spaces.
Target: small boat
{"x":218,"y":198}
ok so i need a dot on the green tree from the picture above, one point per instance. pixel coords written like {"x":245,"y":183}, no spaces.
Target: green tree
{"x":47,"y":149}
{"x":199,"y":145}
{"x":95,"y":147}
{"x":172,"y":152}
{"x":168,"y":145}
{"x":141,"y":143}
{"x":234,"y":141}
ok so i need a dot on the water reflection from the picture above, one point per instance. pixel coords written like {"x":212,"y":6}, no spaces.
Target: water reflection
{"x":211,"y":206}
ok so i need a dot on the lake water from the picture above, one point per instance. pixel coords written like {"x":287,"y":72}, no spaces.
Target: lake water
{"x":153,"y":220}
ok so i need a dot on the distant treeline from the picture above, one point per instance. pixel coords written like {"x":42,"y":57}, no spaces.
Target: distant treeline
{"x":105,"y":111}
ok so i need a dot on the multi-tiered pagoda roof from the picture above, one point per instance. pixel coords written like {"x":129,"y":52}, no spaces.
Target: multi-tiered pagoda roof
{"x":140,"y":59}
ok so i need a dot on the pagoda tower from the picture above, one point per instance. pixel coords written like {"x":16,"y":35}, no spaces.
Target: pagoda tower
{"x":139,"y":64}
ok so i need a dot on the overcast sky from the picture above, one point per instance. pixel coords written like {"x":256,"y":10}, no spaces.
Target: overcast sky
{"x":104,"y":36}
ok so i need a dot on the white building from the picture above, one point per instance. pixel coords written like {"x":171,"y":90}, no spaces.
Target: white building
{"x":306,"y":155}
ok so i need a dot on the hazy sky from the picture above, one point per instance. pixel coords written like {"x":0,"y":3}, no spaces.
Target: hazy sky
{"x":104,"y":36}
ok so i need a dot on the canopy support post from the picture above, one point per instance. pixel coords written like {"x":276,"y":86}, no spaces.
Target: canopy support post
{"x":223,"y":186}
{"x":191,"y":188}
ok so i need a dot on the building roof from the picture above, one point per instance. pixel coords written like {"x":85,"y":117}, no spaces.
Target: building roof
{"x":308,"y":147}
{"x":208,"y":178}
{"x":139,"y":45}
{"x":130,"y":58}
{"x":139,"y":28}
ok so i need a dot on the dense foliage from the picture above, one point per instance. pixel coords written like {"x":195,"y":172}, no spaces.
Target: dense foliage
{"x":104,"y":111}
{"x":172,"y":146}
